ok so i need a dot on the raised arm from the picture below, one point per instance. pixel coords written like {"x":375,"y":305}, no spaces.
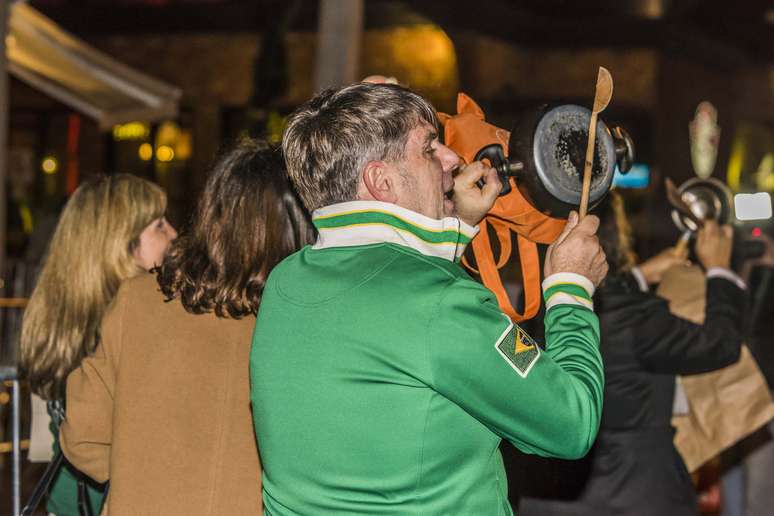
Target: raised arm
{"x":665,"y":343}
{"x":545,"y":402}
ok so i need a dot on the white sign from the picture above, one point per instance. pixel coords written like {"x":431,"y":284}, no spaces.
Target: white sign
{"x":755,"y":206}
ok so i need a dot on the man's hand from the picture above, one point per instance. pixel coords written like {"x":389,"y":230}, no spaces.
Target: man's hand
{"x":471,"y":202}
{"x":577,"y":250}
{"x":714,"y":244}
{"x":654,"y":268}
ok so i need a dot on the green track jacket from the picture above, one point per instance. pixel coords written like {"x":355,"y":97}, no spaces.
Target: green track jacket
{"x":384,"y":377}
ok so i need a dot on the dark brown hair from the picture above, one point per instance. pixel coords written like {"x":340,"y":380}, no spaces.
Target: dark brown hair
{"x":248,"y":220}
{"x":615,"y":233}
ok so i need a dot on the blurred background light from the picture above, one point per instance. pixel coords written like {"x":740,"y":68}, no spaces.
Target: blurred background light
{"x":637,"y":177}
{"x":752,"y":206}
{"x":49,"y":165}
{"x":145,"y":151}
{"x":165,"y":153}
{"x":131,"y":131}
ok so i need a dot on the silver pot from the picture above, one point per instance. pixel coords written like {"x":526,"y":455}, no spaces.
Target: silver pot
{"x":708,"y":199}
{"x":546,"y":153}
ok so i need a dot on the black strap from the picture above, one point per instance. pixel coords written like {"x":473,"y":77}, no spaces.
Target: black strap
{"x":57,"y":412}
{"x":43,"y":484}
{"x":84,"y":507}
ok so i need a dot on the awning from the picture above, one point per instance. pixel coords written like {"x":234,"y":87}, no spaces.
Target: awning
{"x":49,"y":59}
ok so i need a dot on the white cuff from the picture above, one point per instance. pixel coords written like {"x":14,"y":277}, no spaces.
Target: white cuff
{"x":568,"y":288}
{"x":640,"y":279}
{"x":728,"y":274}
{"x":569,"y":277}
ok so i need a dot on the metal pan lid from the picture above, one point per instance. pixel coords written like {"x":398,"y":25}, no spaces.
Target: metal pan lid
{"x":559,"y":150}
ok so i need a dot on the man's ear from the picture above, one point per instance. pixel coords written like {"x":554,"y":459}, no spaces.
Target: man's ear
{"x":379,"y":181}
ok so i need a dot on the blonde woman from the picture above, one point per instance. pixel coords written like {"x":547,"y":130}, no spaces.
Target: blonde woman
{"x":111,"y":229}
{"x":162,"y":408}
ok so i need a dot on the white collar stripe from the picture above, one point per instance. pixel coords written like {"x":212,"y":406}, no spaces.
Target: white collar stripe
{"x":366,"y":222}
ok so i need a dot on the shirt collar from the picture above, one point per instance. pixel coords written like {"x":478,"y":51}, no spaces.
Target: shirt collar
{"x":370,"y":222}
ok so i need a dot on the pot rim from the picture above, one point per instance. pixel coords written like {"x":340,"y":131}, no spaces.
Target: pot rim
{"x":598,"y":190}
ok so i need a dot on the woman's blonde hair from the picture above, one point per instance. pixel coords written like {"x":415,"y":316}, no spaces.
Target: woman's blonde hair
{"x":615,"y":234}
{"x":89,"y":256}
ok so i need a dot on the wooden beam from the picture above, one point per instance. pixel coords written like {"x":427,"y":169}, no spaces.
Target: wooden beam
{"x":339,"y":41}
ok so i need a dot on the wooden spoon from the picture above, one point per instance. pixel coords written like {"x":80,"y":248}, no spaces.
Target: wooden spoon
{"x":602,"y":96}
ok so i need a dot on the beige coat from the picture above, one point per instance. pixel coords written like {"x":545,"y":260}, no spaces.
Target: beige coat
{"x":162,"y":410}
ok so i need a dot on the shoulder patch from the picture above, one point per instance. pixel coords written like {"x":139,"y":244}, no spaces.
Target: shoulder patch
{"x":518,"y":349}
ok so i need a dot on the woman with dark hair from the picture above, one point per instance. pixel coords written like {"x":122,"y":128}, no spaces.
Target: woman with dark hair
{"x":162,"y":408}
{"x":634,"y":468}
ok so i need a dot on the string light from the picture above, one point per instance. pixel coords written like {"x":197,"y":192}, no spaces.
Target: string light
{"x":165,"y":153}
{"x":145,"y":151}
{"x":49,"y":165}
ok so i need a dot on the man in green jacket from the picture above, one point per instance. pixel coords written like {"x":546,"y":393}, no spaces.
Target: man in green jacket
{"x":383,"y":376}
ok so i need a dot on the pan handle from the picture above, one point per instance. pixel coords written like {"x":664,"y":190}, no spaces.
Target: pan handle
{"x":497,"y":160}
{"x":624,"y":149}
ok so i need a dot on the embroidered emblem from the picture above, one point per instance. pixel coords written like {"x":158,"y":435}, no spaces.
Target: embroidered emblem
{"x":518,"y":349}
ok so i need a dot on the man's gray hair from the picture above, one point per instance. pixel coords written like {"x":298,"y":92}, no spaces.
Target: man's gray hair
{"x":330,"y":138}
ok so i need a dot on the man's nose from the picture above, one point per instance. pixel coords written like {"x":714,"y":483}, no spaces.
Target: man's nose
{"x":449,"y":159}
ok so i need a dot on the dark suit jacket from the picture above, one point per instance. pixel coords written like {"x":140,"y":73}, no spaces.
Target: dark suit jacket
{"x":634,"y":468}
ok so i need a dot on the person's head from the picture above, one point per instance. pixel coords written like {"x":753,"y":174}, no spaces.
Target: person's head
{"x":108,"y":231}
{"x":248,"y":219}
{"x":153,"y":242}
{"x":370,"y":142}
{"x":615,"y":233}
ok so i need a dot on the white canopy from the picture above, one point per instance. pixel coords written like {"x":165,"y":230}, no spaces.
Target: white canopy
{"x":46,"y":57}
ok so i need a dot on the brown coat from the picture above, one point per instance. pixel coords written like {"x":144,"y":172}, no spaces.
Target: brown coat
{"x":162,"y":410}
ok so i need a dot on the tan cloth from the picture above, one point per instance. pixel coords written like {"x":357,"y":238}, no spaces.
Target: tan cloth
{"x":162,"y":410}
{"x":726,"y":405}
